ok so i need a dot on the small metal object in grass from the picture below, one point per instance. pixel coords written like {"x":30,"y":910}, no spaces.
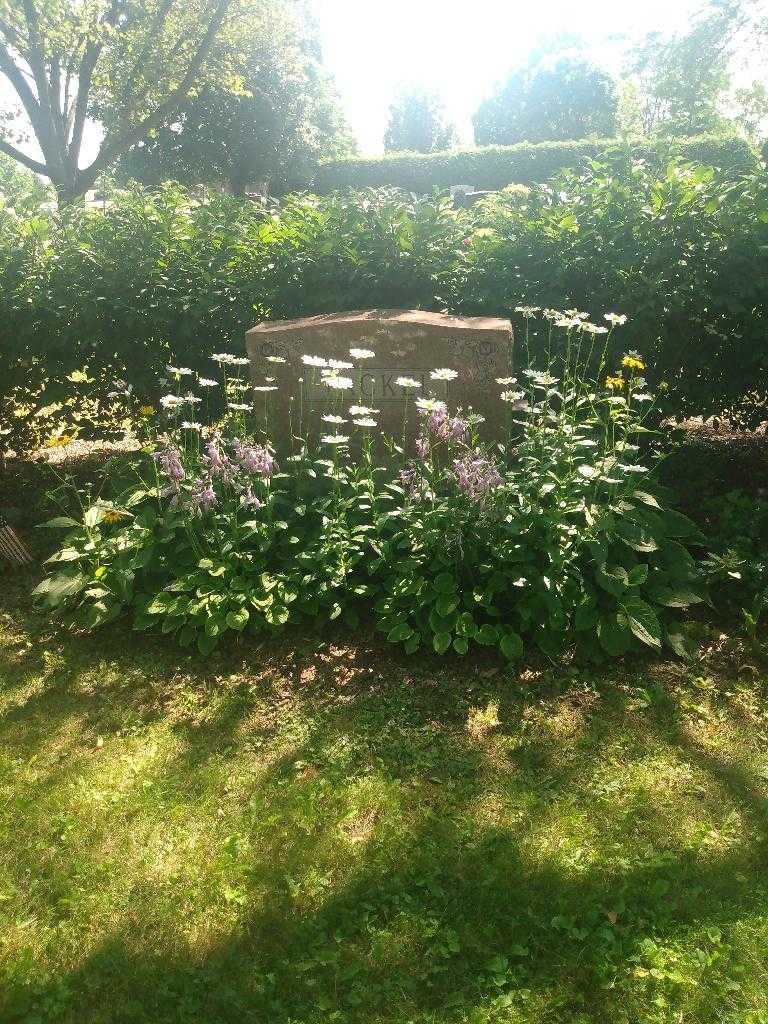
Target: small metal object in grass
{"x":12,"y":548}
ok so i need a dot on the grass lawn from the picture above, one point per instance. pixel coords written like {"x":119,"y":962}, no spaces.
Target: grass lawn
{"x":315,"y":832}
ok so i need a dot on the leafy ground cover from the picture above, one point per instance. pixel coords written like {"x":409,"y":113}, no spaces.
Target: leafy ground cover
{"x":323,"y":832}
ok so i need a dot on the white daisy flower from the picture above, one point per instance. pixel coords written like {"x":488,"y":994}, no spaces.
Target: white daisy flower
{"x":265,"y":387}
{"x":430,"y":405}
{"x":511,"y":396}
{"x":407,"y":382}
{"x":240,"y":360}
{"x":362,"y":353}
{"x":239,"y":407}
{"x":333,"y":419}
{"x":528,"y":311}
{"x":506,"y":381}
{"x":366,"y":421}
{"x":206,"y":382}
{"x":222,"y":357}
{"x":192,"y":399}
{"x":314,"y":361}
{"x":361,"y":410}
{"x":339,"y":364}
{"x":334,"y":439}
{"x":191,"y":425}
{"x":276,"y":359}
{"x":444,"y":374}
{"x":178,"y":371}
{"x":617,"y":319}
{"x":339,"y":383}
{"x":171,"y":401}
{"x":589,"y":328}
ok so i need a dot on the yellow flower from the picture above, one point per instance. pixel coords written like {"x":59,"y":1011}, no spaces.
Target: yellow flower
{"x":146,"y":410}
{"x":632,"y":361}
{"x":113,"y":515}
{"x":614,"y":383}
{"x":59,"y":441}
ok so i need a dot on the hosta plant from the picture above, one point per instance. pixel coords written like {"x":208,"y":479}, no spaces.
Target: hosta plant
{"x":553,"y":537}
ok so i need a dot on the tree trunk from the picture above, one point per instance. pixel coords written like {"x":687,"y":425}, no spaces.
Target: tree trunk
{"x":71,"y":191}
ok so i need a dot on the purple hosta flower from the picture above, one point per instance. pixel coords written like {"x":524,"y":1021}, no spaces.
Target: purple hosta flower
{"x":422,"y":446}
{"x":412,"y":482}
{"x":448,"y":428}
{"x":458,"y":430}
{"x":476,"y":475}
{"x":436,"y":421}
{"x":254,"y":459}
{"x":169,"y":460}
{"x":249,"y":500}
{"x":217,"y":462}
{"x":202,"y":497}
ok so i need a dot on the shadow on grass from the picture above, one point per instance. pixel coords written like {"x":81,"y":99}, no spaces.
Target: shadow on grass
{"x":445,"y":911}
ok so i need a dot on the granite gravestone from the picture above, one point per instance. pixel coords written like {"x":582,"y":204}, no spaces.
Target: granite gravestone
{"x":406,"y":343}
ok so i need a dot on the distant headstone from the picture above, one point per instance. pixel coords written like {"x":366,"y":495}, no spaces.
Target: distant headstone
{"x":406,"y":343}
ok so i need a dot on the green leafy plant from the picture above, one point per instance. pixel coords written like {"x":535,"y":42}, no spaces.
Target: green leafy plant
{"x":552,"y":539}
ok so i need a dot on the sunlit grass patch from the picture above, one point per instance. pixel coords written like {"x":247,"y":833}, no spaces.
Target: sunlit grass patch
{"x":321,"y":834}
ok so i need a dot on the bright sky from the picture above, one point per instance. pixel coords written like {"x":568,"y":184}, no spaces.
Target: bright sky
{"x":461,"y":49}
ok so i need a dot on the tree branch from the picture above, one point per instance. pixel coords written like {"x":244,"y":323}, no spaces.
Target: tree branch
{"x":111,"y":150}
{"x":162,"y":14}
{"x":15,"y":76}
{"x":50,"y":132}
{"x":84,"y":78}
{"x":33,"y":165}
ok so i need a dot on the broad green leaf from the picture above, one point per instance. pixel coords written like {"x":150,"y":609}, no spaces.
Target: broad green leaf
{"x":487,"y":635}
{"x":441,"y":642}
{"x":94,"y":515}
{"x":445,"y":604}
{"x":614,"y":635}
{"x":401,"y":632}
{"x":646,"y":498}
{"x":444,"y":583}
{"x":681,"y":644}
{"x":511,"y":646}
{"x":58,"y":588}
{"x":65,"y":555}
{"x":638,"y":575}
{"x":277,"y":615}
{"x":238,"y":619}
{"x":643,"y":621}
{"x":411,"y":645}
{"x":676,"y":597}
{"x":205,"y":643}
{"x":59,"y":523}
{"x":614,"y":579}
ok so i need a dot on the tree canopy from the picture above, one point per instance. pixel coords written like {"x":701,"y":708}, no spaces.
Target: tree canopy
{"x":683,"y":84}
{"x":128,"y":64}
{"x":417,"y":123}
{"x":567,"y":99}
{"x":272,"y":131}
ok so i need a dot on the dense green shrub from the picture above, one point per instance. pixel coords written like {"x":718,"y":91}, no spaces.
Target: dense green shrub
{"x":553,"y":538}
{"x":493,"y":167}
{"x":686,"y":250}
{"x":158,"y":277}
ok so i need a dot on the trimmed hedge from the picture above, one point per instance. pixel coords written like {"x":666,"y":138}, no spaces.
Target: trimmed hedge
{"x":493,"y":167}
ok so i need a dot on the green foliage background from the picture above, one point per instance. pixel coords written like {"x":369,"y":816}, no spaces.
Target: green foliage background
{"x":165,"y":275}
{"x":493,"y":167}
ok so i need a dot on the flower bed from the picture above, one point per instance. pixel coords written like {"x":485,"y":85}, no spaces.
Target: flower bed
{"x":553,"y":538}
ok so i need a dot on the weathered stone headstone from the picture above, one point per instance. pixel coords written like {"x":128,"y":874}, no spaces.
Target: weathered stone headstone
{"x":406,"y":343}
